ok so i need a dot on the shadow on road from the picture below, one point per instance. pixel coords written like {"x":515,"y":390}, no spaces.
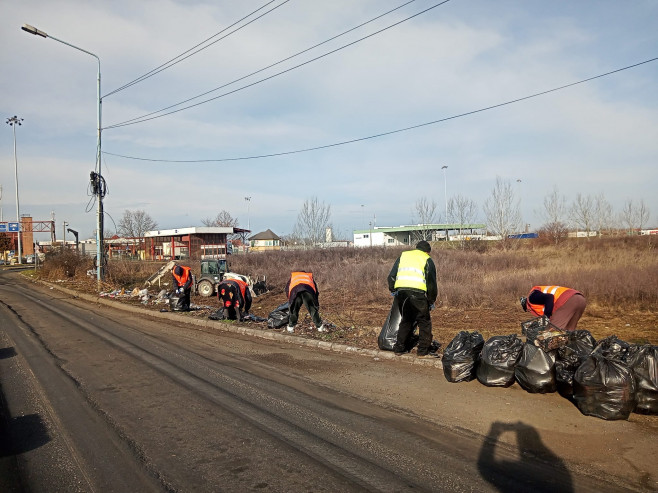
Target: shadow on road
{"x":7,"y":352}
{"x":535,"y":468}
{"x":22,"y":434}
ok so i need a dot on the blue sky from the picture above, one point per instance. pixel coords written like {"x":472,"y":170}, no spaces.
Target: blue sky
{"x":600,"y":137}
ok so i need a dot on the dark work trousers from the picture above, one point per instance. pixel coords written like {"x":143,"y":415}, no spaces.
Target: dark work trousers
{"x":309,"y":302}
{"x":567,"y":316}
{"x":414,"y":307}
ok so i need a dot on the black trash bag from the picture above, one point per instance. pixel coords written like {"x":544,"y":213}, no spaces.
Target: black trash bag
{"x":570,"y":357}
{"x":535,"y":370}
{"x":218,"y":315}
{"x":612,"y":348}
{"x":179,"y":302}
{"x":389,"y":333}
{"x":461,"y":356}
{"x":278,"y":317}
{"x":253,"y":318}
{"x":604,"y":388}
{"x":497,"y":361}
{"x":643,"y":362}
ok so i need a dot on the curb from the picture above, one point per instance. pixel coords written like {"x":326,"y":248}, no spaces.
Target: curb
{"x":376,"y":354}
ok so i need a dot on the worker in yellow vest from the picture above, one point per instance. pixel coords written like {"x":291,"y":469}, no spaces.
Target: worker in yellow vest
{"x":301,"y":288}
{"x":413,"y":280}
{"x":563,"y":306}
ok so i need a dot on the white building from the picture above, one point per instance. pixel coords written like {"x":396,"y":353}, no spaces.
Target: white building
{"x":409,"y":235}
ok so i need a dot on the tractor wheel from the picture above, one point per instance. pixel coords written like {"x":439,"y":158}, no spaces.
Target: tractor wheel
{"x":205,"y":288}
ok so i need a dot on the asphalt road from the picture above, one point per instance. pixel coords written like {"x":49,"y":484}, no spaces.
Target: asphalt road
{"x":96,"y":399}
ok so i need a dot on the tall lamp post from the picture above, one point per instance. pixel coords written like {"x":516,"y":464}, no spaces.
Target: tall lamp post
{"x":248,"y":200}
{"x":445,"y":189}
{"x":521,"y":206}
{"x":97,"y":181}
{"x":13,"y":121}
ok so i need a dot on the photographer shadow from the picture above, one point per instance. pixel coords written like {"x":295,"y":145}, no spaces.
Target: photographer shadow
{"x":534,"y":468}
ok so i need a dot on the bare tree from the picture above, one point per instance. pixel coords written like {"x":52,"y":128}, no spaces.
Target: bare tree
{"x":312,"y":221}
{"x":555,"y":209}
{"x":628,"y":216}
{"x":461,"y":211}
{"x":133,"y":224}
{"x":603,"y":217}
{"x":223,"y":218}
{"x":642,"y":213}
{"x":502,"y":211}
{"x":426,"y":213}
{"x":582,"y":212}
{"x":635,"y":216}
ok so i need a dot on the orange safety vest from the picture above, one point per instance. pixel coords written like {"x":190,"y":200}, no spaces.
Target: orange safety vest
{"x":557,"y":292}
{"x":181,"y":280}
{"x":242,"y":286}
{"x":297,"y":278}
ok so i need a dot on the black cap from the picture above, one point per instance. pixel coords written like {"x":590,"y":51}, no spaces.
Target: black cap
{"x":423,"y":246}
{"x":178,"y":270}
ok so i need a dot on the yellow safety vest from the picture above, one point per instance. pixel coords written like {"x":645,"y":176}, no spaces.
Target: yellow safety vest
{"x":411,"y":270}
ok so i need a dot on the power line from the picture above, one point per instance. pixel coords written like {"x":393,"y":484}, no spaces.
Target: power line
{"x":391,"y":132}
{"x":148,"y":117}
{"x":174,"y":60}
{"x":269,"y":66}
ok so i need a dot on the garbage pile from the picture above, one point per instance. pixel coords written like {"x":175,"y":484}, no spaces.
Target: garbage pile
{"x":609,"y":379}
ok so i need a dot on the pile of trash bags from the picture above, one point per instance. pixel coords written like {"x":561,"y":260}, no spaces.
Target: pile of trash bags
{"x":609,"y":379}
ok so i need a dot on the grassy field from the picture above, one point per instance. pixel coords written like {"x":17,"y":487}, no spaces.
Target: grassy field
{"x":479,"y":284}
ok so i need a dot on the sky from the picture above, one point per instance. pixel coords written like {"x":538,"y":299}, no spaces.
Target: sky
{"x":456,"y":58}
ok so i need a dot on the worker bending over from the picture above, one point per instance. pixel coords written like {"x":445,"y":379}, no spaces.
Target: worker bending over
{"x":183,"y":284}
{"x":563,"y":306}
{"x":235,"y":298}
{"x":301,"y":288}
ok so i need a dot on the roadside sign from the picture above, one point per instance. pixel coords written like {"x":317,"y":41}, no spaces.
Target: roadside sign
{"x":13,"y":227}
{"x":3,"y":227}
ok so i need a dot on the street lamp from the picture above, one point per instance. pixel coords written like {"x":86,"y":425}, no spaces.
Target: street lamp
{"x":12,"y":122}
{"x":445,"y":189}
{"x":248,"y":200}
{"x":98,"y":186}
{"x":520,"y":204}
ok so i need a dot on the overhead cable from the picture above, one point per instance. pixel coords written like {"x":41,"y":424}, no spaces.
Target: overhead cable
{"x":179,"y":58}
{"x":383,"y":134}
{"x":271,"y":65}
{"x":152,"y":116}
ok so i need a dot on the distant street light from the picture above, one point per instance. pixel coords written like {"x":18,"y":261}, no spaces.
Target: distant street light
{"x":12,"y":122}
{"x":520,"y":204}
{"x":98,"y":186}
{"x":445,"y":189}
{"x":248,"y":200}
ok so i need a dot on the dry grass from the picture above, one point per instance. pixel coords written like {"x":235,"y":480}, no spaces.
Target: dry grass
{"x":479,"y":285}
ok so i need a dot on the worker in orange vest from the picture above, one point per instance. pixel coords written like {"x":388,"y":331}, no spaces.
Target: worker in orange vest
{"x":235,"y":298}
{"x":563,"y":306}
{"x":301,"y":288}
{"x":182,"y":285}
